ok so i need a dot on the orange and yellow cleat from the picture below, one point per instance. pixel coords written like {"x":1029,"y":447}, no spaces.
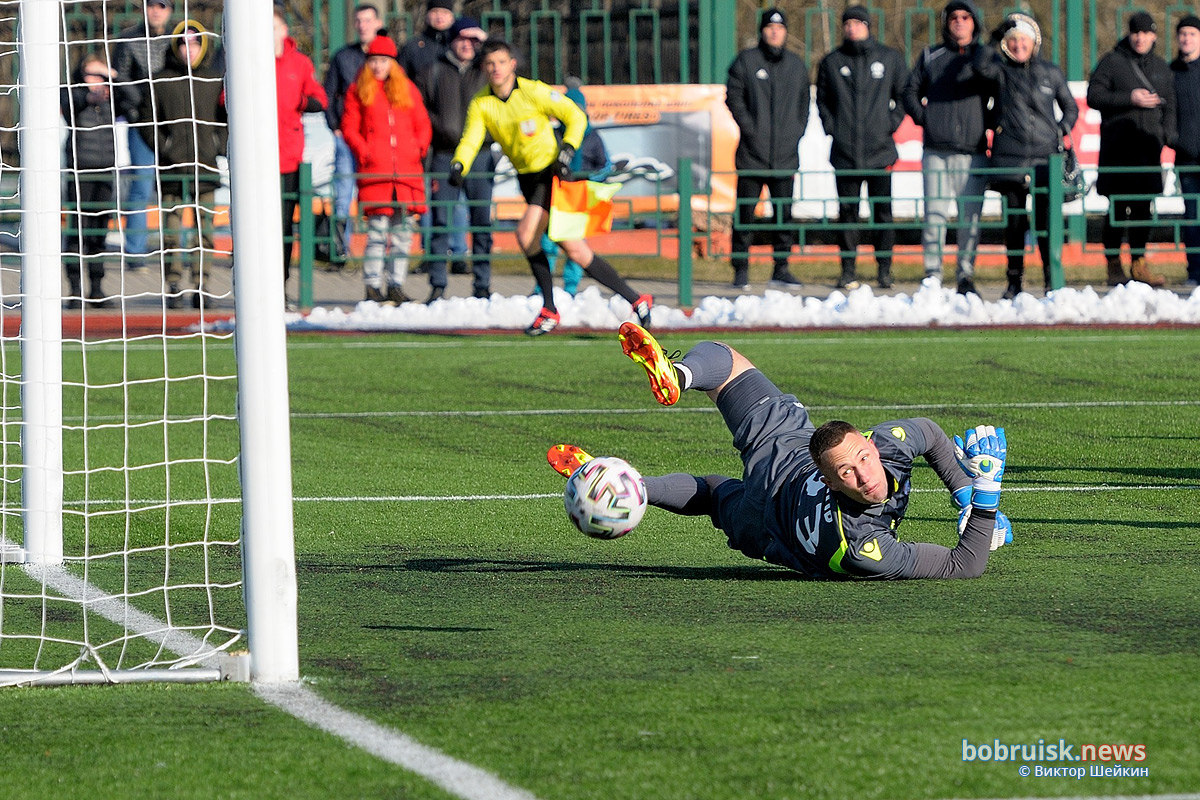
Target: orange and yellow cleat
{"x":639,"y":345}
{"x":566,"y":458}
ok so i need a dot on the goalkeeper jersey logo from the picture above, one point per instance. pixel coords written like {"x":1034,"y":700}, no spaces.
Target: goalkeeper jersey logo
{"x":871,"y":550}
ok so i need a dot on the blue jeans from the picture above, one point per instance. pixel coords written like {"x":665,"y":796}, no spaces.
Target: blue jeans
{"x":1189,"y":185}
{"x":344,"y":168}
{"x":444,"y":209}
{"x":140,"y":180}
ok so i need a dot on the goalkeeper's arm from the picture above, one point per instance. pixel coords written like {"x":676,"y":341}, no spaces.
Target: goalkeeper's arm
{"x":981,"y":455}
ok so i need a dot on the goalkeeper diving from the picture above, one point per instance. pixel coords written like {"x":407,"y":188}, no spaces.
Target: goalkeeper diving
{"x":824,"y":501}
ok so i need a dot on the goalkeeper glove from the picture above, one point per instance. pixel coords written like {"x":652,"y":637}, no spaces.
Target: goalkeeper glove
{"x":962,"y":497}
{"x":1001,"y":532}
{"x":981,"y":455}
{"x":455,"y":178}
{"x":562,"y":166}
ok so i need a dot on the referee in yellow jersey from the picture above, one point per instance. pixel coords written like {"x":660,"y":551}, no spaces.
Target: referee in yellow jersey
{"x":517,"y":113}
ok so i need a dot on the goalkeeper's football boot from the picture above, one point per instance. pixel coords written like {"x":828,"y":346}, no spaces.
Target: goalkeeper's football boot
{"x":566,"y":458}
{"x":639,"y":345}
{"x":546,"y":321}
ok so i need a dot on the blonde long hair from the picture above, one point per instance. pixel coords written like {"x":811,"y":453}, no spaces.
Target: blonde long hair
{"x":395,"y":87}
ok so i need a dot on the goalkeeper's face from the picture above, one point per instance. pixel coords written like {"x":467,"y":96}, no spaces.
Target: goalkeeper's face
{"x":854,"y":469}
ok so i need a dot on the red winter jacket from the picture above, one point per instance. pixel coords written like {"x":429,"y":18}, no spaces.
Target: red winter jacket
{"x":295,"y":86}
{"x":390,"y":145}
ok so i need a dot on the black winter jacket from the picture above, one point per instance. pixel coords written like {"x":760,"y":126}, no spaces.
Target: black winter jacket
{"x":859,"y":98}
{"x":341,"y":75}
{"x":1131,"y":136}
{"x":421,"y":52}
{"x":1187,"y":117}
{"x":945,"y":96}
{"x":1027,"y":130}
{"x":184,"y":97}
{"x":137,"y":57}
{"x":447,"y":91}
{"x":91,"y":142}
{"x":768,"y":94}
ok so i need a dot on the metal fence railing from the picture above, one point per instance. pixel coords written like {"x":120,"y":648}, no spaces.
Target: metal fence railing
{"x":683,"y":222}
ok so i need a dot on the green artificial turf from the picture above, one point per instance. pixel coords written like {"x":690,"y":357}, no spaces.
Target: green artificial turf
{"x":443,"y":592}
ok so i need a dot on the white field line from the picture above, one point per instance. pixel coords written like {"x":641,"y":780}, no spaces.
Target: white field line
{"x":456,"y":777}
{"x":1109,"y":797}
{"x":97,"y":419}
{"x":547,"y":412}
{"x":137,"y":505}
{"x":429,"y":498}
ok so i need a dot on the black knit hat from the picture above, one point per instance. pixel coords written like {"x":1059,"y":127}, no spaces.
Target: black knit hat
{"x":1142,"y":22}
{"x":859,"y":13}
{"x":1190,"y":21}
{"x":772,"y":15}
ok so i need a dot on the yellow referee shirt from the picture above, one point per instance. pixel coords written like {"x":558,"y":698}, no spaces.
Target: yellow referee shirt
{"x":521,"y":124}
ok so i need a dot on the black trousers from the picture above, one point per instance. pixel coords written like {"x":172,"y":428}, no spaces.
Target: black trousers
{"x":879,"y":196}
{"x":749,"y":189}
{"x":1124,"y":211}
{"x":90,"y":196}
{"x":289,"y":184}
{"x":1015,"y":193}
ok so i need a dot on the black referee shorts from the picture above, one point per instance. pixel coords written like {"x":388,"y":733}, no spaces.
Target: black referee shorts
{"x":536,"y":186}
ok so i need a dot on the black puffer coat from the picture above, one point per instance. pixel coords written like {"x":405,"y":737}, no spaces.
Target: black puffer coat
{"x":1131,"y":136}
{"x":1026,"y":129}
{"x":859,"y":98}
{"x":768,"y":94}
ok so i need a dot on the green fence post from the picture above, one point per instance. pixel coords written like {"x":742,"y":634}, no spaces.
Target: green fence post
{"x":307,"y":231}
{"x":1054,"y":228}
{"x":1077,"y":225}
{"x":685,"y":44}
{"x":684,"y":179}
{"x":337,"y":28}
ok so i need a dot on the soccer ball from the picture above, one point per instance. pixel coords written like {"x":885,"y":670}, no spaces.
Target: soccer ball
{"x":605,"y":498}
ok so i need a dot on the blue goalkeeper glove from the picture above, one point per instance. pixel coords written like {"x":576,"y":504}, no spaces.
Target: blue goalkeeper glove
{"x":1001,"y":533}
{"x":982,"y":456}
{"x":962,"y":497}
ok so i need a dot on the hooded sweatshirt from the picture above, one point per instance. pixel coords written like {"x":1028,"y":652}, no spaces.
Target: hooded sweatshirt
{"x":190,"y":113}
{"x":945,"y":96}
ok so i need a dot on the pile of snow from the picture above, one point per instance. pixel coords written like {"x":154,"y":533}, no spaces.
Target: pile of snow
{"x":931,"y":305}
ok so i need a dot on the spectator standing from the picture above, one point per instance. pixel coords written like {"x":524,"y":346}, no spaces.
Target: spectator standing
{"x":87,"y":105}
{"x":138,"y":56}
{"x":949,"y":101}
{"x":860,"y":100}
{"x":767,"y":92}
{"x":516,"y":112}
{"x":448,"y":86}
{"x":342,"y":74}
{"x":191,"y":128}
{"x":387,"y":128}
{"x":423,"y":50}
{"x":1134,"y":92}
{"x":296,"y":92}
{"x":1027,"y":132}
{"x":1186,"y":70}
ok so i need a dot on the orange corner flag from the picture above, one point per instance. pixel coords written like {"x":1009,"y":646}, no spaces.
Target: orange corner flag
{"x":579,"y":209}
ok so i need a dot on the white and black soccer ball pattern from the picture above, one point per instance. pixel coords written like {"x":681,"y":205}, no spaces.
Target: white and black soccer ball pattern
{"x":605,"y":498}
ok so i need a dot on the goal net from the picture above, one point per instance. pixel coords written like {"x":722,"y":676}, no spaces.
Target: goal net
{"x":145,"y":498}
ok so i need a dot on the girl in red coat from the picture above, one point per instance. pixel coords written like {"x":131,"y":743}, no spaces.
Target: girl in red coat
{"x":297,"y":92}
{"x":387,"y":128}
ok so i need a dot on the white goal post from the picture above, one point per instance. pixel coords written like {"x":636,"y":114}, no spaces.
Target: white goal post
{"x":146,"y":529}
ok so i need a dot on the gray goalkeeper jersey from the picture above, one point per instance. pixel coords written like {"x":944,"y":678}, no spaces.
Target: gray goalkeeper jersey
{"x":783,"y":512}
